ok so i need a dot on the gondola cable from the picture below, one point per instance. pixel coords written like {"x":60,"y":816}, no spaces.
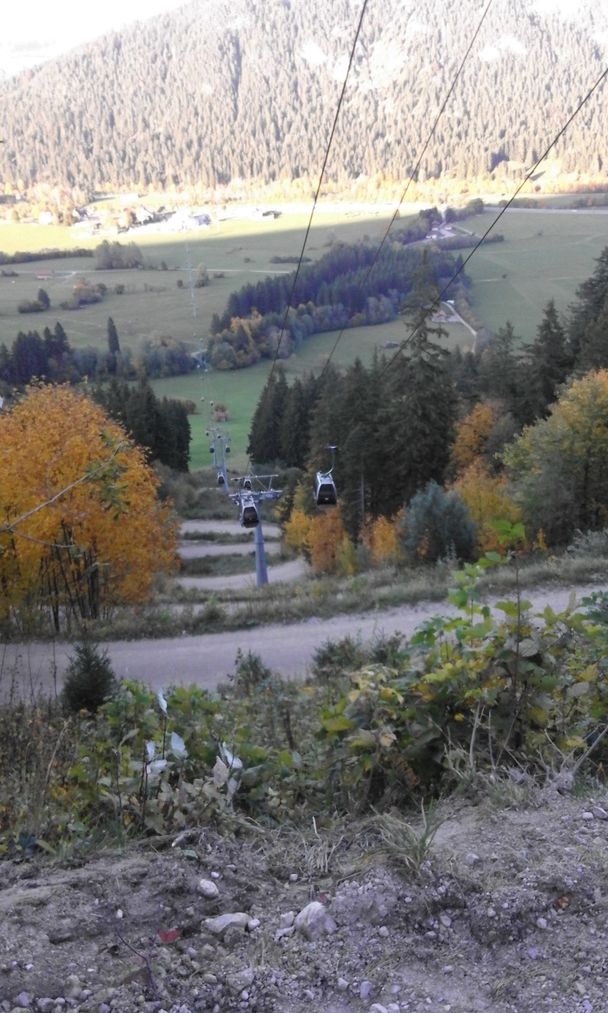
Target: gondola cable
{"x":323,"y":480}
{"x":317,"y":192}
{"x":415,"y":170}
{"x":438,"y":299}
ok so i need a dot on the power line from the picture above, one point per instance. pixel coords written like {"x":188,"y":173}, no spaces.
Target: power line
{"x":437,"y":300}
{"x":416,"y":169}
{"x":318,"y":190}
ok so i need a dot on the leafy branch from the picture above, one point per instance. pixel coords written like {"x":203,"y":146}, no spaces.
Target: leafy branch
{"x":103,"y":471}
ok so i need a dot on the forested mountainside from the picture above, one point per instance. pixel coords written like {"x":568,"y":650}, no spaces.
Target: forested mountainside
{"x":227,"y":89}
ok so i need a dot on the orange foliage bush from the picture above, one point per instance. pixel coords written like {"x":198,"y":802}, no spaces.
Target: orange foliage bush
{"x":96,"y":533}
{"x":381,"y":536}
{"x":487,"y":501}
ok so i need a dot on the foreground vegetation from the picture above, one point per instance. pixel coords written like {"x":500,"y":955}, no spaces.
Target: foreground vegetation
{"x":372,"y":728}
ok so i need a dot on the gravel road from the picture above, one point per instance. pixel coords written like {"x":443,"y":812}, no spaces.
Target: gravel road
{"x":207,"y":659}
{"x":197,"y":550}
{"x":289,"y":572}
{"x":225,"y":528}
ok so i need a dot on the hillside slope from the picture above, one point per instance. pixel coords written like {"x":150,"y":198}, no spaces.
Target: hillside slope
{"x":508,"y":915}
{"x":247,"y":89}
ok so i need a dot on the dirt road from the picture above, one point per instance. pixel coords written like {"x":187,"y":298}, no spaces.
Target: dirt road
{"x":225,"y":528}
{"x":207,"y":659}
{"x":197,"y":550}
{"x":289,"y":572}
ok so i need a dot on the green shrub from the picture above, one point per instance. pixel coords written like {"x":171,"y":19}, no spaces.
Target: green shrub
{"x":213,"y":612}
{"x":114,"y":256}
{"x":335,"y":658}
{"x":30,"y":306}
{"x":89,"y":681}
{"x":592,"y":544}
{"x":437,"y":525}
{"x":250,"y":673}
{"x":387,"y":649}
{"x":595,"y":608}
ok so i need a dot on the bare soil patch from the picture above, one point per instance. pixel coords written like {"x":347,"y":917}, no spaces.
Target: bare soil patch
{"x":508,"y":914}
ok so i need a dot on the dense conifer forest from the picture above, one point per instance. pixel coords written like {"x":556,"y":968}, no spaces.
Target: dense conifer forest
{"x":161,"y":426}
{"x":349,"y":286}
{"x":423,"y":414}
{"x":246,"y":90}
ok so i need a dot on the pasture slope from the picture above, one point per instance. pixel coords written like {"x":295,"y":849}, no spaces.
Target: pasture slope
{"x":546,"y":254}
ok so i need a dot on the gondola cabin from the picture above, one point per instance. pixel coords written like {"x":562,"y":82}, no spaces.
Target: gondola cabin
{"x":325,"y":489}
{"x":249,"y":512}
{"x":221,"y":480}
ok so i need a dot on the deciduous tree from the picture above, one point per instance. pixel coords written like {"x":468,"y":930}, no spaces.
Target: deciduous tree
{"x":81,"y":529}
{"x":326,"y":541}
{"x":559,"y":467}
{"x":471,"y":436}
{"x":487,"y":499}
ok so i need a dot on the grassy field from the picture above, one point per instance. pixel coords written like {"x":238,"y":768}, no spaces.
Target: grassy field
{"x":152,"y":304}
{"x":240,"y":389}
{"x":546,"y":255}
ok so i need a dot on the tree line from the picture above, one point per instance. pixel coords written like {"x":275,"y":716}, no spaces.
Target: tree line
{"x":161,"y":426}
{"x":480,"y":423}
{"x":351,"y":285}
{"x":161,"y":103}
{"x":50,"y":356}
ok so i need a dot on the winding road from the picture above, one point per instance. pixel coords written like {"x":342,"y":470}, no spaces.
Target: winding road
{"x":281,"y":572}
{"x":278,"y":573}
{"x":206,"y":660}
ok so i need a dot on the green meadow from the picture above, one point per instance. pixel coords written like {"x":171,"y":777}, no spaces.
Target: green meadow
{"x":546,"y":254}
{"x":235,"y":252}
{"x":240,"y":389}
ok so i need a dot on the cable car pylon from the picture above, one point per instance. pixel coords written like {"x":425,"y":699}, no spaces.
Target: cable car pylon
{"x":249,"y":500}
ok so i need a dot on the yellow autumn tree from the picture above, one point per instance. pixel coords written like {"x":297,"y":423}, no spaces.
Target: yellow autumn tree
{"x":297,"y":532}
{"x":487,"y":501}
{"x":81,"y":529}
{"x":297,"y":528}
{"x":558,"y":467}
{"x":327,"y":541}
{"x":471,"y":436}
{"x":381,"y":537}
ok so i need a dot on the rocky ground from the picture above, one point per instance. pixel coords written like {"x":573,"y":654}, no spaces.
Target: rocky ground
{"x":507,"y":913}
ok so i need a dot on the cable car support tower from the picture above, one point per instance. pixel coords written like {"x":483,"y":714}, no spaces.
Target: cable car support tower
{"x":253,"y":490}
